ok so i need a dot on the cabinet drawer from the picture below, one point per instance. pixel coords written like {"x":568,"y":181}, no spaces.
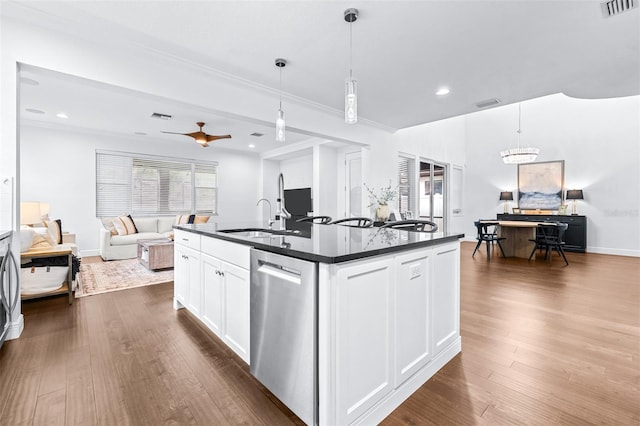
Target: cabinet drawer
{"x":234,"y":253}
{"x":188,"y":239}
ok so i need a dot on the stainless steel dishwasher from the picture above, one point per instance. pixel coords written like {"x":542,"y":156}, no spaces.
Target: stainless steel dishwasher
{"x":284,"y":330}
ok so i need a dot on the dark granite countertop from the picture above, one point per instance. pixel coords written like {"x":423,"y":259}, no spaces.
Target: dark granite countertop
{"x":326,"y":243}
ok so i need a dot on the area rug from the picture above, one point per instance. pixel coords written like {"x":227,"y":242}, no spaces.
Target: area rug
{"x":104,"y":277}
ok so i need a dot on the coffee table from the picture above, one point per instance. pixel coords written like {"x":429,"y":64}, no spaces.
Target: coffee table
{"x":156,"y":254}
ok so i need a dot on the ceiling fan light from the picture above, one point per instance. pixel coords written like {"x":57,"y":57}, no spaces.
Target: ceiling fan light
{"x":280,"y":127}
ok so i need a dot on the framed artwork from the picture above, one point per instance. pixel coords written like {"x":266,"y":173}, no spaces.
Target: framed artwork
{"x":541,"y":185}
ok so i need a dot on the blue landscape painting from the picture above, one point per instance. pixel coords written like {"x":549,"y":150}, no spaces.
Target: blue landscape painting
{"x":540,"y":200}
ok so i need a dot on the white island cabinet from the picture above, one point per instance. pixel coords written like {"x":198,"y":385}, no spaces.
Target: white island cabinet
{"x":213,"y":284}
{"x":387,"y":316}
{"x":386,"y":325}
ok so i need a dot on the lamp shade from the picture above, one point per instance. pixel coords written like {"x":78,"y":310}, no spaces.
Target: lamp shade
{"x":30,"y":213}
{"x":506,"y":196}
{"x":575,"y":194}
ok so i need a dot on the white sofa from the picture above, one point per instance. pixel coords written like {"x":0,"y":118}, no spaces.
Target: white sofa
{"x":116,"y":247}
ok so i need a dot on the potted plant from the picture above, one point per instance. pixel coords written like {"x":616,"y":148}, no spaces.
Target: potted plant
{"x":381,"y":200}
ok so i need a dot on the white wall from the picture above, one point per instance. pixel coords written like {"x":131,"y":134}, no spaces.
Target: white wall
{"x":297,"y":172}
{"x":58,"y":167}
{"x":599,"y":140}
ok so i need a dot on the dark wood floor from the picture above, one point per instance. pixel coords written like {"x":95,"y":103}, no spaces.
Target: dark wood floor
{"x":541,"y":345}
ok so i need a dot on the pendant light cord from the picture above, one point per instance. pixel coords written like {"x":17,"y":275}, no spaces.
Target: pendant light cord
{"x":519,"y":122}
{"x":280,"y":87}
{"x":351,"y":50}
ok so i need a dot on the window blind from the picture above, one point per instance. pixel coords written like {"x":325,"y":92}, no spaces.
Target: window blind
{"x":146,"y":185}
{"x":405,"y":183}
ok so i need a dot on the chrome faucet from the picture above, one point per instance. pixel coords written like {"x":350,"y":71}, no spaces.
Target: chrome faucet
{"x":268,"y":202}
{"x":281,"y":210}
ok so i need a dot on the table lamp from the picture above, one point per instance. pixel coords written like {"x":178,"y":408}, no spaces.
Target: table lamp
{"x":30,"y":213}
{"x":574,"y":194}
{"x":506,"y":196}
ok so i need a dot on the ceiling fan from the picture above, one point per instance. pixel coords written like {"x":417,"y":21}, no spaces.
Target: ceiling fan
{"x":201,"y":137}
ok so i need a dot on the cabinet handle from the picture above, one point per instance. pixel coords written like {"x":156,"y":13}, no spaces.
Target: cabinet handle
{"x":185,"y":239}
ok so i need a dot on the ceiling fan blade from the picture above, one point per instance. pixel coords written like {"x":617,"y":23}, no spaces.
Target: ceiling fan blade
{"x":175,"y":133}
{"x":216,"y":137}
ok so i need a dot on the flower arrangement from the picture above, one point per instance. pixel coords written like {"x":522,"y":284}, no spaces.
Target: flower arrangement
{"x":382,"y":199}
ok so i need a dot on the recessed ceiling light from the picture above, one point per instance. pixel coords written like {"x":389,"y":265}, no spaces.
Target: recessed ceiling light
{"x":62,"y":115}
{"x":34,"y":111}
{"x":251,"y":145}
{"x":140,"y":133}
{"x":443,"y":91}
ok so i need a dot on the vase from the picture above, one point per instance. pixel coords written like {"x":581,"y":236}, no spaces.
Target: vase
{"x":382,"y":212}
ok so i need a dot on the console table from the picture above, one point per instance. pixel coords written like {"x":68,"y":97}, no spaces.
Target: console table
{"x":575,"y":237}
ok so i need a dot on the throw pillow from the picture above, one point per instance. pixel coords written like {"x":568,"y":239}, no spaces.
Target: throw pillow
{"x":54,"y":229}
{"x":124,"y":225}
{"x":107,"y":222}
{"x":183,"y":219}
{"x":40,"y":242}
{"x":201,"y":219}
{"x":26,"y":238}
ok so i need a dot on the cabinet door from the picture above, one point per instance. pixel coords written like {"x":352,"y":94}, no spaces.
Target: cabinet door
{"x":180,"y":276}
{"x":236,"y":311}
{"x":412,"y":325}
{"x":445,"y":306}
{"x":364,"y":337}
{"x":194,"y":286}
{"x":212,"y":294}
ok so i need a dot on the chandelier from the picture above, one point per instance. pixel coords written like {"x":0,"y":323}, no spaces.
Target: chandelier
{"x":519,"y":155}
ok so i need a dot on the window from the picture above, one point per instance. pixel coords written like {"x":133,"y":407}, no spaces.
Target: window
{"x":405,"y":183}
{"x":146,"y":185}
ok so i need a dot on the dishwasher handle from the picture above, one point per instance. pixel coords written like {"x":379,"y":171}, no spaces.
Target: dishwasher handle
{"x":280,"y":272}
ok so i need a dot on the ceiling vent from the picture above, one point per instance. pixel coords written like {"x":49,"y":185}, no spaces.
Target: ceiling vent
{"x":256,"y":134}
{"x":616,"y":7}
{"x":161,"y":116}
{"x":488,"y":103}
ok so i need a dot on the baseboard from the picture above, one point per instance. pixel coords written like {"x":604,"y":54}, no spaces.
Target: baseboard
{"x":613,"y":251}
{"x":89,"y":253}
{"x":16,"y":327}
{"x":385,"y":407}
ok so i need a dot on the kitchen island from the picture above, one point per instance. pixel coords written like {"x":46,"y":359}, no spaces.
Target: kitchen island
{"x":385,"y":314}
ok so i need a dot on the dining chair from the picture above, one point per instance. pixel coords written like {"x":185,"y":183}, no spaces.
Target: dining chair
{"x":549,"y":236}
{"x":488,"y":233}
{"x":316,"y":219}
{"x":356,"y":222}
{"x":419,"y":225}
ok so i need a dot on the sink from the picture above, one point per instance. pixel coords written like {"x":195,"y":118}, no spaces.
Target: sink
{"x":259,"y":232}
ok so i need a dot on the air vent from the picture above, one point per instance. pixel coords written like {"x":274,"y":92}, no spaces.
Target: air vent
{"x":616,"y":7}
{"x":161,"y":116}
{"x":488,"y":103}
{"x":256,"y":134}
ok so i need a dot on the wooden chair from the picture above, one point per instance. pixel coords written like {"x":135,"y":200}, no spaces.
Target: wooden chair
{"x":355,"y":222}
{"x":418,"y":225}
{"x":316,"y":219}
{"x":550,"y":237}
{"x":487,"y":233}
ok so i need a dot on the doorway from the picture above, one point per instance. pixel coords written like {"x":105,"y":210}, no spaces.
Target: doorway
{"x":353,"y":181}
{"x":433,"y":192}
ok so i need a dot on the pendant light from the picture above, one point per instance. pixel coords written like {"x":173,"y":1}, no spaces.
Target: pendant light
{"x":280,"y":126}
{"x":351,"y":87}
{"x":519,"y":155}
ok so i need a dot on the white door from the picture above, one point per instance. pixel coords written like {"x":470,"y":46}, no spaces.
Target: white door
{"x":212,"y":294}
{"x":180,"y":276}
{"x":353,"y":184}
{"x":194,"y":292}
{"x":236,"y":312}
{"x":446,"y":296}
